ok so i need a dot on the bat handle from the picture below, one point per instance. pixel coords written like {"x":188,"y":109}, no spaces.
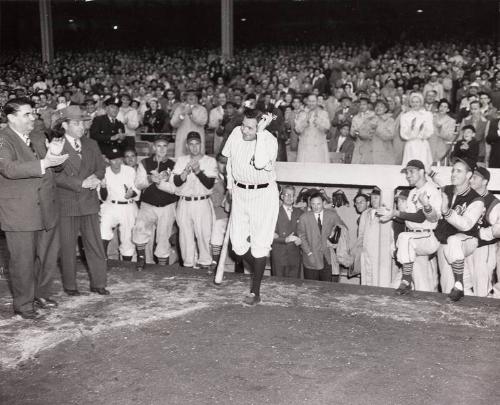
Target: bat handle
{"x":219,"y":273}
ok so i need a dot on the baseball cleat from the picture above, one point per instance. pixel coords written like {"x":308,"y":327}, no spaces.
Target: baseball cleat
{"x":403,"y":289}
{"x":252,"y":299}
{"x":455,"y":294}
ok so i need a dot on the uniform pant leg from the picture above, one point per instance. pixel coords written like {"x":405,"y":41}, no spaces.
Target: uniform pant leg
{"x":96,"y":257}
{"x":202,"y":221}
{"x":68,"y":230}
{"x":166,"y":218}
{"x":145,"y":222}
{"x":263,"y":208}
{"x":447,"y":279}
{"x":126,"y":220}
{"x":239,"y":223}
{"x":186,"y":232}
{"x":109,"y":220}
{"x":48,"y":248}
{"x":21,"y":247}
{"x":484,"y":262}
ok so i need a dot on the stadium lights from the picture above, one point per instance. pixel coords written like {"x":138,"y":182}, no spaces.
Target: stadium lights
{"x":115,"y":27}
{"x":71,"y":20}
{"x":420,"y":10}
{"x":243,"y":19}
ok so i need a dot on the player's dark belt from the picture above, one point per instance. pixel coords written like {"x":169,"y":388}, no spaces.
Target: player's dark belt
{"x":251,"y":186}
{"x":419,"y":230}
{"x":122,"y":202}
{"x":203,"y":197}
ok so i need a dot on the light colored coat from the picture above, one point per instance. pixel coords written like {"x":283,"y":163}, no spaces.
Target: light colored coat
{"x":312,"y":128}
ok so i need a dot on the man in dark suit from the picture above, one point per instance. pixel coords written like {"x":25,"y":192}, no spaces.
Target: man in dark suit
{"x":81,"y":174}
{"x":342,"y":144}
{"x":285,"y":253}
{"x":315,"y":228}
{"x":28,"y":208}
{"x":107,"y":130}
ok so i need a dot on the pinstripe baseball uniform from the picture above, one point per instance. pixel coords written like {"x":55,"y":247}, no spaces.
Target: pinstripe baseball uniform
{"x":255,"y":197}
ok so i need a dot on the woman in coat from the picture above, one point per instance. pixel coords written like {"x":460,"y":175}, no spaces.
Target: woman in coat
{"x":383,"y":126}
{"x":444,"y":132}
{"x":416,"y":128}
{"x":312,"y":125}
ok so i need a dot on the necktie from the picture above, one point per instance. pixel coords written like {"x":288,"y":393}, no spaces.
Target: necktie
{"x":78,"y":147}
{"x":319,"y":223}
{"x":28,"y":142}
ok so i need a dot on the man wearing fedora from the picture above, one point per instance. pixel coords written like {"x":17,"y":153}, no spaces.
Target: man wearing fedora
{"x":79,"y":205}
{"x":28,"y":207}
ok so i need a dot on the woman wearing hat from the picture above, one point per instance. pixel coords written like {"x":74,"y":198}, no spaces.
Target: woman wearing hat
{"x":312,"y":125}
{"x":416,"y":128}
{"x":382,"y":127}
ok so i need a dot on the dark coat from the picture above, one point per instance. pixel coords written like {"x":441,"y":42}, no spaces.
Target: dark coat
{"x":27,"y":197}
{"x":283,"y":253}
{"x":75,"y":200}
{"x":102,"y":129}
{"x":347,"y":147}
{"x":493,"y":138}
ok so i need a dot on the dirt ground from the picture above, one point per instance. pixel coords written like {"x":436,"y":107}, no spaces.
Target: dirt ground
{"x":169,"y":336}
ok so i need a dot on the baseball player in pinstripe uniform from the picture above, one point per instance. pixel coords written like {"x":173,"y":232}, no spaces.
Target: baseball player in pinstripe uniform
{"x":194,"y":177}
{"x":421,"y":216}
{"x":458,"y":230}
{"x":484,"y":257}
{"x":251,"y":151}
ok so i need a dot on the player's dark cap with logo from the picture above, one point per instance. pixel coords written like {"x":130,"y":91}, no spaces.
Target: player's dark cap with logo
{"x":164,"y":138}
{"x":470,"y":163}
{"x":114,"y":153}
{"x":414,"y":164}
{"x":483,"y":172}
{"x":193,"y":135}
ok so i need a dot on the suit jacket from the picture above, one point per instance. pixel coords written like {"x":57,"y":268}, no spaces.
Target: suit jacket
{"x":347,"y":147}
{"x":27,"y":197}
{"x":493,"y":138}
{"x":102,"y":129}
{"x":315,"y":242}
{"x":75,"y":200}
{"x":286,"y":253}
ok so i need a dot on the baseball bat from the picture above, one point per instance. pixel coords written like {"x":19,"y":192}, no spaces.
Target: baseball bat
{"x":219,"y":273}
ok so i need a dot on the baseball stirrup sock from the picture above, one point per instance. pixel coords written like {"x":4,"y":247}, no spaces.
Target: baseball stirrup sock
{"x":163,"y":261}
{"x":258,"y":271}
{"x":458,"y":270}
{"x":407,"y":272}
{"x":216,"y":249}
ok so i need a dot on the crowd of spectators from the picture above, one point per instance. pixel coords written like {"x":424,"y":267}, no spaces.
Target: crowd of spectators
{"x":405,"y":101}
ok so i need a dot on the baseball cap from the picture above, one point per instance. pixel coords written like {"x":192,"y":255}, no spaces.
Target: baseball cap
{"x":114,"y":153}
{"x":193,"y":135}
{"x":483,"y":172}
{"x":467,"y":161}
{"x":415,"y":163}
{"x":403,"y":194}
